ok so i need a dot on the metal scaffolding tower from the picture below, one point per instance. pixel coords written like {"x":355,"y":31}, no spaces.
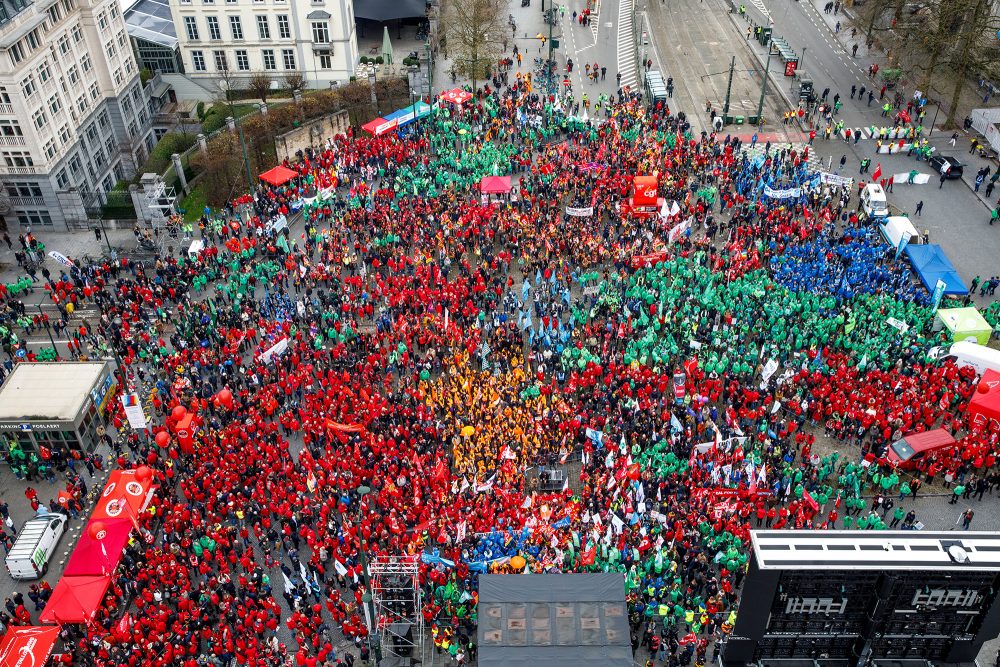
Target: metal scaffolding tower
{"x":398,"y":602}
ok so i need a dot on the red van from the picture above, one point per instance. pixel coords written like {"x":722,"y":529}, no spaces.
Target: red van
{"x":907,"y":452}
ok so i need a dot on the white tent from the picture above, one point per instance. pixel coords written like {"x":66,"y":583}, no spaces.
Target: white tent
{"x":897,"y":228}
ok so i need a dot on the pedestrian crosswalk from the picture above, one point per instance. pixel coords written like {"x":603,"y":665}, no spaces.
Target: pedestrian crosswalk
{"x":814,"y":162}
{"x":626,"y":44}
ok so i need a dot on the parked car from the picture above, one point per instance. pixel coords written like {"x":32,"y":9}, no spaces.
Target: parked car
{"x":906,"y":453}
{"x":945,"y":164}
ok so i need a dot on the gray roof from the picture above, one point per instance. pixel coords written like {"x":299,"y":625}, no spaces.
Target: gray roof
{"x":150,"y":20}
{"x":564,"y":619}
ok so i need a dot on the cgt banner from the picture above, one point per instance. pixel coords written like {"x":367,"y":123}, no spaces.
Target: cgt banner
{"x":580,"y":212}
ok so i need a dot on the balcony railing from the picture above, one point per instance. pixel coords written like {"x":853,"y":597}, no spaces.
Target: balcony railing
{"x":18,"y":171}
{"x":11,"y":141}
{"x":6,"y":108}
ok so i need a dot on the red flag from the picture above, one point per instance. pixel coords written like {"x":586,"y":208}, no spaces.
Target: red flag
{"x":877,"y":174}
{"x":125,"y":624}
{"x":688,"y":638}
{"x":589,"y":556}
{"x":813,"y":505}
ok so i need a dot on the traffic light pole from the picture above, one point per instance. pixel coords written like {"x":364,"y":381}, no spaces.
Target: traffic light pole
{"x":763,"y":87}
{"x":729,"y":90}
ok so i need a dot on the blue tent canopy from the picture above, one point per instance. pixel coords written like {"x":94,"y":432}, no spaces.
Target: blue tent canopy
{"x":409,"y":114}
{"x":931,"y":264}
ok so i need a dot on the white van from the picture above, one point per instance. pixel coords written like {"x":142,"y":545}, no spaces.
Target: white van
{"x":35,"y":544}
{"x":873,"y":201}
{"x":965,"y":353}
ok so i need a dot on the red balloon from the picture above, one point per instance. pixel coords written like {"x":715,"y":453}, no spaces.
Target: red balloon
{"x":162,"y":439}
{"x":144,"y":473}
{"x":96,"y":530}
{"x":634,"y":471}
{"x":983,"y":388}
{"x":179,"y":412}
{"x":226,"y":398}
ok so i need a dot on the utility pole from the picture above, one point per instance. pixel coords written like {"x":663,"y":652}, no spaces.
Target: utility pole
{"x":366,"y":599}
{"x":729,"y":90}
{"x":802,"y":58}
{"x":763,"y":87}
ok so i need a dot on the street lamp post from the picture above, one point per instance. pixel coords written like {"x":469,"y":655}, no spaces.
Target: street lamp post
{"x":763,"y":87}
{"x":366,"y":600}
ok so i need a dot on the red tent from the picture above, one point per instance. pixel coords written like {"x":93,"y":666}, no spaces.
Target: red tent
{"x":279,"y":175}
{"x":378,"y":126}
{"x":492,"y":185}
{"x":984,"y":407}
{"x":75,"y":599}
{"x":28,"y":645}
{"x":98,"y":557}
{"x":456,"y":96}
{"x":122,"y":484}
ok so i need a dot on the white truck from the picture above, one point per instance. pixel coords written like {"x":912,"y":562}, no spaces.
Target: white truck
{"x":966,"y":353}
{"x":36,"y":543}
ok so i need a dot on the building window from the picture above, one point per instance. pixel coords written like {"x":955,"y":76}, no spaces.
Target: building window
{"x":288,"y":58}
{"x":214,"y":33}
{"x":110,"y":143}
{"x":4,"y":96}
{"x":72,"y":74}
{"x":198,"y":61}
{"x":50,"y":148}
{"x":221,"y":64}
{"x":102,"y":21}
{"x":191,"y":28}
{"x":114,"y":11}
{"x":77,"y":34}
{"x":18,"y":159}
{"x":111,"y":49}
{"x":236,"y":26}
{"x":86,"y":63}
{"x":108,"y":183}
{"x":321,"y":32}
{"x":35,"y":218}
{"x":28,"y":86}
{"x":75,"y":165}
{"x":54,"y":104}
{"x":242,"y":60}
{"x":263,"y":27}
{"x":55,"y":14}
{"x":133,"y":129}
{"x":121,"y":39}
{"x":16,"y":53}
{"x":10,"y":128}
{"x":24,"y":190}
{"x":325,"y":62}
{"x":62,"y":179}
{"x":284,"y":27}
{"x":268,"y":56}
{"x":40,"y":118}
{"x":64,"y":44}
{"x":64,"y":134}
{"x":94,"y":91}
{"x":104,"y":120}
{"x":44,"y":71}
{"x":118,"y":76}
{"x":81,"y":103}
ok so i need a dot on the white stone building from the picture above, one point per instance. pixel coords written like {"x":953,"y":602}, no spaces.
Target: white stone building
{"x":74,"y":117}
{"x":235,"y":38}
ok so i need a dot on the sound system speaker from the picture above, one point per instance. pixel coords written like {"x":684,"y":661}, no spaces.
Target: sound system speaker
{"x":401,"y":636}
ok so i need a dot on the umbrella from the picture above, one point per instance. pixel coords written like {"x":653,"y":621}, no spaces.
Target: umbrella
{"x":386,"y":46}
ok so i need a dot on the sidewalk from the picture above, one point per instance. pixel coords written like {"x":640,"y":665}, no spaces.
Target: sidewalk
{"x":938,"y":137}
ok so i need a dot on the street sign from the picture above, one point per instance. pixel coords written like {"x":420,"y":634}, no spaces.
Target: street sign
{"x":555,"y":43}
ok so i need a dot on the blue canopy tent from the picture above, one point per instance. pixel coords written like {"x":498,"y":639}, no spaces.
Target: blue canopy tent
{"x":409,"y":114}
{"x":931,"y":264}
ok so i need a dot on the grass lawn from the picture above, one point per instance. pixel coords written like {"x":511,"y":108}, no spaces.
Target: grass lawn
{"x":215,"y":117}
{"x":194,"y":204}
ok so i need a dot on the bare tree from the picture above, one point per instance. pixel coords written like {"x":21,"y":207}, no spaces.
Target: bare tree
{"x":294,"y":80}
{"x":260,"y":84}
{"x":473,"y":30}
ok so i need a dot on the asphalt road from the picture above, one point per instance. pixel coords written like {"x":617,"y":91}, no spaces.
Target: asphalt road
{"x":955,"y":216}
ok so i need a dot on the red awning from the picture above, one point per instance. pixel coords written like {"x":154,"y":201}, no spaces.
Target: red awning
{"x":98,"y":557}
{"x":75,"y":599}
{"x":27,"y":646}
{"x":279,"y":175}
{"x":122,"y":484}
{"x":379,"y":126}
{"x":984,"y":407}
{"x":456,"y":96}
{"x":491,"y":185}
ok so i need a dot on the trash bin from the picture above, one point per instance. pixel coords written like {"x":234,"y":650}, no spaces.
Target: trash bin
{"x":739,"y":120}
